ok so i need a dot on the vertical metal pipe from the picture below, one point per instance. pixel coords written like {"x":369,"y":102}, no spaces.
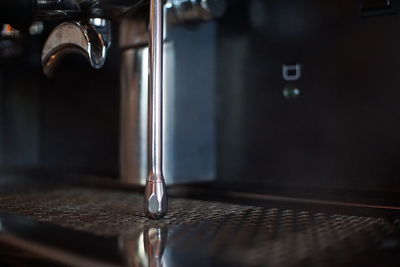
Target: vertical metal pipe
{"x":156,"y":202}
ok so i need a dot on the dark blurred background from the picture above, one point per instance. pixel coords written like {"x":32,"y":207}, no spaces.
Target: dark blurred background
{"x":307,"y":97}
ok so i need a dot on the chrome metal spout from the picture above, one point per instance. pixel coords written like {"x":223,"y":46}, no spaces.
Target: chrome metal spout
{"x":156,"y":200}
{"x":75,"y":37}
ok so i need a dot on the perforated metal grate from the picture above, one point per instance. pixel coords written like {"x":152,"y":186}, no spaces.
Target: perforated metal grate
{"x":221,"y":233}
{"x":109,"y":213}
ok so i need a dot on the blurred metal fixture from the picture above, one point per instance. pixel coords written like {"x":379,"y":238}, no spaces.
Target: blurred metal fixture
{"x":76,"y":9}
{"x":10,"y":41}
{"x":195,"y":10}
{"x":134,"y":101}
{"x":36,"y":28}
{"x":8,"y":32}
{"x":56,"y":9}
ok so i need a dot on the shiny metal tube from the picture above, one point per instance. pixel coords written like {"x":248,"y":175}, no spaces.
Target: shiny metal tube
{"x":156,"y":202}
{"x":156,"y":87}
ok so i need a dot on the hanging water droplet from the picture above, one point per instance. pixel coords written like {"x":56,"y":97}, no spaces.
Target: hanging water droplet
{"x":291,"y":92}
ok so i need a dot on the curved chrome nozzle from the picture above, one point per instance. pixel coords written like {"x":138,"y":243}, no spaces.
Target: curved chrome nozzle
{"x":73,"y":38}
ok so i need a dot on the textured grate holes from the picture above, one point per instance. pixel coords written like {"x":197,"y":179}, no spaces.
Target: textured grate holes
{"x":235,"y":234}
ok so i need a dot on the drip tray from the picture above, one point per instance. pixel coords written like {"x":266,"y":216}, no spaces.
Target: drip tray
{"x":204,"y":233}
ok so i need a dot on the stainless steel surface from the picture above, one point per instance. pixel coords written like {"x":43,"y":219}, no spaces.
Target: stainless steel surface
{"x":156,"y":200}
{"x":201,"y":233}
{"x":73,"y":37}
{"x":134,"y":101}
{"x":189,"y":149}
{"x":134,"y":33}
{"x":134,"y":109}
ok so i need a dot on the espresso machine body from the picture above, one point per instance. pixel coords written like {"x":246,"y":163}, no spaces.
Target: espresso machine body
{"x":273,"y":123}
{"x":277,"y":94}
